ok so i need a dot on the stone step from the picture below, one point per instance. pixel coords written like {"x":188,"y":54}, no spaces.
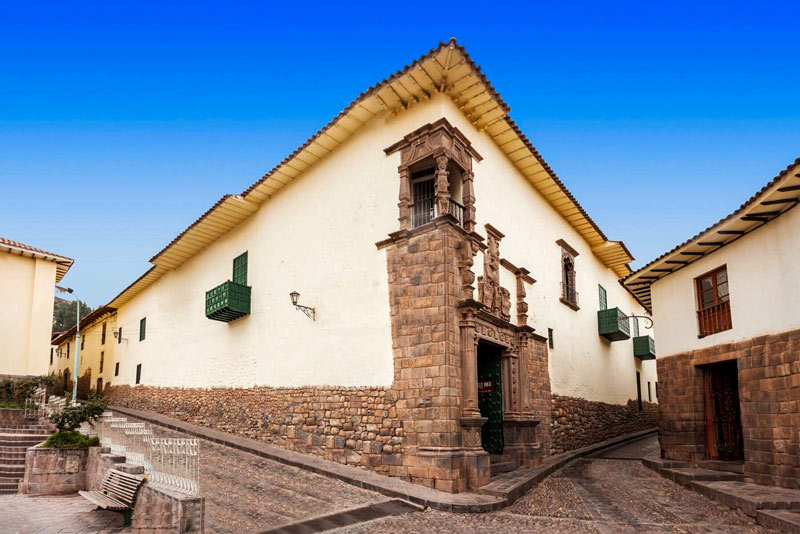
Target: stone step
{"x":718,"y":465}
{"x":22,"y":444}
{"x":502,"y":467}
{"x":12,"y":461}
{"x":20,"y":474}
{"x":749,"y":498}
{"x":14,"y":449}
{"x":687,"y":475}
{"x":659,"y":463}
{"x":783,"y":520}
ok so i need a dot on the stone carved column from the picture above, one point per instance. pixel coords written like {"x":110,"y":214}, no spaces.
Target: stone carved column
{"x":442,"y":186}
{"x":468,"y":251}
{"x":468,"y":195}
{"x":511,"y":379}
{"x":522,"y":306}
{"x":404,"y":199}
{"x":525,"y":379}
{"x":469,"y":364}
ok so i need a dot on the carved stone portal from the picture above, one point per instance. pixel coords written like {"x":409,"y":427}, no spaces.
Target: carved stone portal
{"x":497,"y":299}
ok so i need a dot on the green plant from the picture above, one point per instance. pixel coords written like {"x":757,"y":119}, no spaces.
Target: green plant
{"x":70,"y":439}
{"x":71,"y":417}
{"x":15,"y":391}
{"x":725,"y":448}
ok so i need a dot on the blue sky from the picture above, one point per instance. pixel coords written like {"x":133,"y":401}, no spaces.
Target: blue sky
{"x":121,"y":122}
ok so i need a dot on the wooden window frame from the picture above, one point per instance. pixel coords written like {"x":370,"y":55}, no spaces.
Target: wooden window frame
{"x":139,"y":373}
{"x":103,"y":335}
{"x":602,"y":297}
{"x":712,"y":322}
{"x":142,"y":328}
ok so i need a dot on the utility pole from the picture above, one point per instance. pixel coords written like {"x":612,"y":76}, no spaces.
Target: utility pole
{"x":77,"y":342}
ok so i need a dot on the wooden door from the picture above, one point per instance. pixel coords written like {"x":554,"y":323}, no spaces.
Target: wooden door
{"x":723,"y":426}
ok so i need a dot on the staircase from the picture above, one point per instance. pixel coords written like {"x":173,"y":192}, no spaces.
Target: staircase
{"x":14,"y":441}
{"x":498,"y":465}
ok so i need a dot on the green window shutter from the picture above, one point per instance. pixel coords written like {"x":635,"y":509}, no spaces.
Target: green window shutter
{"x":142,"y":328}
{"x":635,"y":327}
{"x":603,"y":297}
{"x":240,"y":269}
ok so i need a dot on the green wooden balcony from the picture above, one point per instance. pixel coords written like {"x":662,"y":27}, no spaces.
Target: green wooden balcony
{"x":610,"y":327}
{"x":644,"y":348}
{"x":228,"y":301}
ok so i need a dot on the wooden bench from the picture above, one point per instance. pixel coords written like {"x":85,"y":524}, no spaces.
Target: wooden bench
{"x":117,"y":493}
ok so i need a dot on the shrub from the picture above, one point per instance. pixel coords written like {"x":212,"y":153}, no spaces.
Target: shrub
{"x":71,"y":417}
{"x":15,"y":391}
{"x":70,"y":439}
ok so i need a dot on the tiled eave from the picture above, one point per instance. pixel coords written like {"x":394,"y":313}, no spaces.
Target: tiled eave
{"x":446,"y":69}
{"x":14,"y":247}
{"x":777,"y":197}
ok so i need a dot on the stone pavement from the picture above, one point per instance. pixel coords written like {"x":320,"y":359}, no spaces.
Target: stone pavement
{"x":612,"y":493}
{"x":23,"y":514}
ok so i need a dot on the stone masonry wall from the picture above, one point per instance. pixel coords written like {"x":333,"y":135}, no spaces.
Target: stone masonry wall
{"x":349,"y":425}
{"x":54,"y":471}
{"x":577,"y":422}
{"x":769,"y":393}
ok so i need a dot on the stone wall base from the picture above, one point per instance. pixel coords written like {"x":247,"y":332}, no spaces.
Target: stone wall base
{"x":349,"y":425}
{"x":578,"y":422}
{"x":769,"y":392}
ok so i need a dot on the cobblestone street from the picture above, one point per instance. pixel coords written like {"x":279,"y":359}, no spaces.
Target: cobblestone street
{"x":610,"y":494}
{"x":613,"y":494}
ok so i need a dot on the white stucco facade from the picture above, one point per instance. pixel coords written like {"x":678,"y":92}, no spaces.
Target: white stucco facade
{"x":318,"y":236}
{"x":763,"y":283}
{"x":26,"y":315}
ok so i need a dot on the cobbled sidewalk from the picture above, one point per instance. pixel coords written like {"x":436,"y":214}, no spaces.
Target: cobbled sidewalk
{"x":22,"y":514}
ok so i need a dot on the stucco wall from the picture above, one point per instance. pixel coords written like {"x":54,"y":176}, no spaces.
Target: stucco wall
{"x":26,"y":314}
{"x":91,"y":352}
{"x":318,"y":235}
{"x":582,"y":364}
{"x":763,"y":282}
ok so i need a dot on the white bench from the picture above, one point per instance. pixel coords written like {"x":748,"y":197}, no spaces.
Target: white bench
{"x":117,"y":493}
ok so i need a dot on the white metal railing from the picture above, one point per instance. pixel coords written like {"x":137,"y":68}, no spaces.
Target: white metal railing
{"x":35,"y":405}
{"x":170,"y":463}
{"x":55,"y":405}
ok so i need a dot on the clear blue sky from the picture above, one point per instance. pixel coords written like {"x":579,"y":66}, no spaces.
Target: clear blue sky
{"x":121,"y":122}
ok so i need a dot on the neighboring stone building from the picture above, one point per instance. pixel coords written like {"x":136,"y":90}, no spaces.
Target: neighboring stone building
{"x":28,"y":276}
{"x":467,"y":312}
{"x":96,"y":366}
{"x":726,"y":305}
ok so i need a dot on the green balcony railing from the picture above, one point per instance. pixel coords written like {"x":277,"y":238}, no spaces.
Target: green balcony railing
{"x":228,"y":301}
{"x":611,"y":327}
{"x":644,"y":348}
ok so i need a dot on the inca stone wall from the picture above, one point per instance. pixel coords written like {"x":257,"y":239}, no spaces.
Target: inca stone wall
{"x":345,"y":424}
{"x":577,"y":423}
{"x":769,"y":392}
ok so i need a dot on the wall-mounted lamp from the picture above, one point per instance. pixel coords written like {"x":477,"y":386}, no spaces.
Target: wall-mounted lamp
{"x":310,"y":312}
